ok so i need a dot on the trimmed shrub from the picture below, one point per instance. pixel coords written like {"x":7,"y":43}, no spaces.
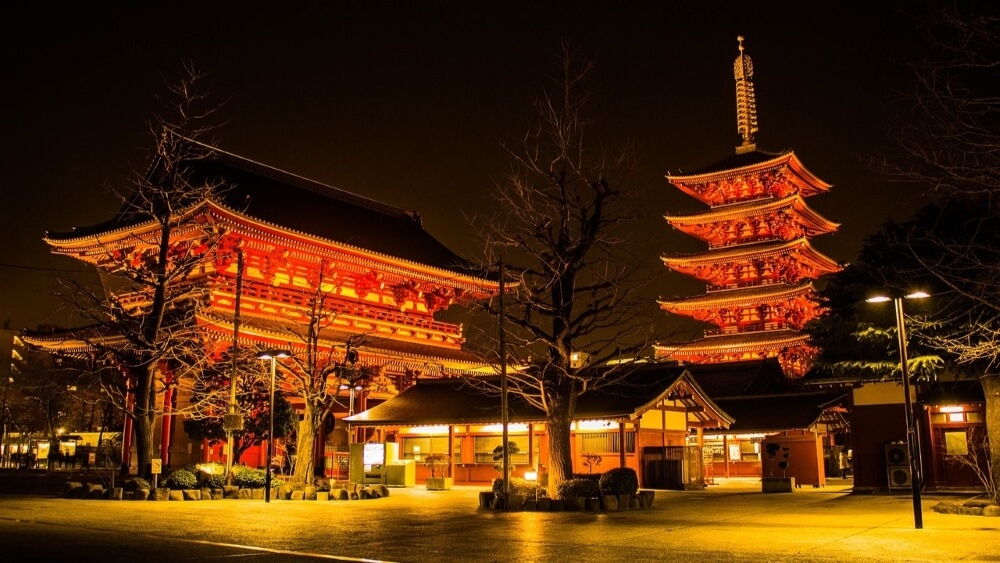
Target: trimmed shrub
{"x":211,"y":474}
{"x":585,"y":488}
{"x":137,"y":484}
{"x":247,"y":478}
{"x":519,"y":486}
{"x":619,"y":481}
{"x":180,"y":480}
{"x":214,"y":481}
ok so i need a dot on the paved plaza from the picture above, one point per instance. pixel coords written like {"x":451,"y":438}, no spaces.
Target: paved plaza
{"x":731,"y":521}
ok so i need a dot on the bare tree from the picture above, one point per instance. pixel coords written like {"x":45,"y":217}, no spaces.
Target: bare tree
{"x":145,"y":311}
{"x":951,"y":144}
{"x":562,"y":224}
{"x":314,"y":377}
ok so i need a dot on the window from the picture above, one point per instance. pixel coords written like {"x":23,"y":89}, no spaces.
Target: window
{"x":485,"y":445}
{"x":606,"y":442}
{"x":417,"y":448}
{"x":956,"y":442}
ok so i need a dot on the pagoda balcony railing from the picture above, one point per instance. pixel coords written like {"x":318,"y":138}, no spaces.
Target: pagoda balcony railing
{"x":301,"y":300}
{"x":743,"y":328}
{"x":739,"y":285}
{"x":753,"y":239}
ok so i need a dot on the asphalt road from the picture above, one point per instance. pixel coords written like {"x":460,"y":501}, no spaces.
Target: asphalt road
{"x":730,"y":522}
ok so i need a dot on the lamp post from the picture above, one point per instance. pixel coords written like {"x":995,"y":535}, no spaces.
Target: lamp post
{"x":912,"y":445}
{"x":272,"y":355}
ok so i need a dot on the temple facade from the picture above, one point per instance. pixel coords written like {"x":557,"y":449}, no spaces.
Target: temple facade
{"x":759,"y":265}
{"x":283,"y":262}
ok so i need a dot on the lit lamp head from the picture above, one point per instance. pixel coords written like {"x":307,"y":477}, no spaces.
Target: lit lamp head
{"x":273,"y":354}
{"x":882,"y":298}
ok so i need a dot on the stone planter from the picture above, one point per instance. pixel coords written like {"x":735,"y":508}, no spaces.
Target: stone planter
{"x":777,"y":484}
{"x":440,"y":483}
{"x":216,"y":494}
{"x":116,"y":493}
{"x":574,"y":503}
{"x":231,"y":492}
{"x":141,"y":494}
{"x":161,"y":493}
{"x":298,"y":495}
{"x":257,"y":494}
{"x":516,"y":502}
{"x":486,"y":499}
{"x":323,"y":496}
{"x":648,"y":495}
{"x":245,"y":494}
{"x":191,"y":494}
{"x":592,"y":504}
{"x":206,"y":493}
{"x":624,"y":502}
{"x":285,"y":492}
{"x":310,"y":492}
{"x":609,"y":502}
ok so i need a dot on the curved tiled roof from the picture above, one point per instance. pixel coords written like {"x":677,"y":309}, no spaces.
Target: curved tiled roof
{"x":284,"y":199}
{"x":745,"y":297}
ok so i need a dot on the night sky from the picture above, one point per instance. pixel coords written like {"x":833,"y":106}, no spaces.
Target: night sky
{"x":409,"y":102}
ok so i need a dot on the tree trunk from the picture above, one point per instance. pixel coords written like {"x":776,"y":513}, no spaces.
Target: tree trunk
{"x":991,"y":390}
{"x":560,"y":452}
{"x":305,"y":441}
{"x":144,"y":419}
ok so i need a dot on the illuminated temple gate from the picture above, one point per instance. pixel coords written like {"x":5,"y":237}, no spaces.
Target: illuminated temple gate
{"x":383,"y":277}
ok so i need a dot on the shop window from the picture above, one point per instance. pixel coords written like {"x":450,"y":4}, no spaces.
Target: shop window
{"x":606,"y":442}
{"x":484,"y":446}
{"x":417,"y":448}
{"x":956,"y":442}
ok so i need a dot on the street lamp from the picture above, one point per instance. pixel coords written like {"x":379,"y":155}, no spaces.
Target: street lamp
{"x":912,"y":445}
{"x":272,"y":355}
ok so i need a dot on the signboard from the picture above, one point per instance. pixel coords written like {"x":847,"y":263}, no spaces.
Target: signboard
{"x":157,"y":466}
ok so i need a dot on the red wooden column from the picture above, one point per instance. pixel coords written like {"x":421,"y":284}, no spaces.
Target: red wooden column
{"x":621,"y":444}
{"x":127,"y":429}
{"x":167,"y":422}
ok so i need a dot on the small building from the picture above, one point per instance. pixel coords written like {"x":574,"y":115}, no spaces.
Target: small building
{"x":770,"y":408}
{"x":643,"y":420}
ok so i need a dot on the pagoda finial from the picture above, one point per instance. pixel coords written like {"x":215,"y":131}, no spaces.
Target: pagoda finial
{"x":746,"y":104}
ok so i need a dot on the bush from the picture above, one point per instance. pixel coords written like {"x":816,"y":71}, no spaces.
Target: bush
{"x":214,"y":480}
{"x":181,"y":479}
{"x":247,"y":478}
{"x":585,"y":488}
{"x":137,"y":484}
{"x":619,"y":481}
{"x":519,"y":486}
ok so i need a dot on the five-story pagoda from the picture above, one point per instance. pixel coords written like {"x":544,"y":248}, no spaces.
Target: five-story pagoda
{"x":759,"y":265}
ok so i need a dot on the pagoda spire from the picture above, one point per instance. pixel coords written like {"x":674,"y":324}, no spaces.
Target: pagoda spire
{"x":746,"y":104}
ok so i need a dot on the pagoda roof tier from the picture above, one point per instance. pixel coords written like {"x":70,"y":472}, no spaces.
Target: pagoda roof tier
{"x":771,"y":175}
{"x":742,"y":297}
{"x":282,"y":203}
{"x":705,"y":225}
{"x":708,"y":266}
{"x":732,"y":344}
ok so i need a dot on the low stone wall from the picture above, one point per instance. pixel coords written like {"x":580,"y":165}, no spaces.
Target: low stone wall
{"x":349,"y":491}
{"x":975,"y":507}
{"x":640,"y":500}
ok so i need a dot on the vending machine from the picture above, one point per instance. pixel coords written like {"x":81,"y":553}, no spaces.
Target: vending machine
{"x":369,"y":461}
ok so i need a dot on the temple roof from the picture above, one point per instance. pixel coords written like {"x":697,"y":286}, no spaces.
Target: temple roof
{"x":280,"y":198}
{"x":743,"y":297}
{"x":801,"y":248}
{"x":814,"y":223}
{"x":462,"y":401}
{"x":702,"y":183}
{"x":761,"y":399}
{"x":743,"y":342}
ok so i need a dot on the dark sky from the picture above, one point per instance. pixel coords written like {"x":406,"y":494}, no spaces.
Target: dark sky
{"x":408,"y":103}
